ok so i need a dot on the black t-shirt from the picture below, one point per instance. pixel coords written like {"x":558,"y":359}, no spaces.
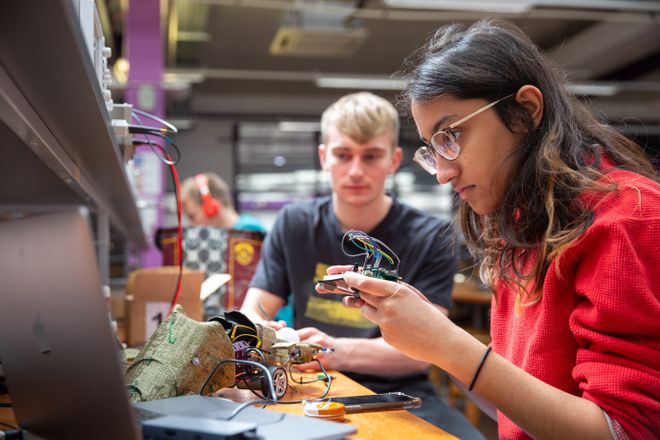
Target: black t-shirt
{"x":306,"y":239}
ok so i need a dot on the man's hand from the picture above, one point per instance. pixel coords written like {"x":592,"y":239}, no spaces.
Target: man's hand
{"x":330,"y":359}
{"x":275,"y":325}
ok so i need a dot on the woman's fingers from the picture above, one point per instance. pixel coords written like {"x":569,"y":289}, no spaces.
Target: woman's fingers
{"x":332,"y":270}
{"x":375,"y":286}
{"x":414,"y":289}
{"x":351,"y":301}
{"x":370,"y":312}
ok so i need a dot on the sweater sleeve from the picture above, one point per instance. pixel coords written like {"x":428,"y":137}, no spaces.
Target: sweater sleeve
{"x":616,"y":322}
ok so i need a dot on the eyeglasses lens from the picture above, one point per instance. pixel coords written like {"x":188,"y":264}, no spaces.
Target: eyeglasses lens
{"x":425,"y":157}
{"x":445,"y":145}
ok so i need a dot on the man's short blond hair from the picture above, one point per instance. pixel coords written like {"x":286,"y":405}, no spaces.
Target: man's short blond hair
{"x":361,"y":116}
{"x":217,"y":187}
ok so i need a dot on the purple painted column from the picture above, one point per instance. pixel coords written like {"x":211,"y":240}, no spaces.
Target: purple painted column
{"x":144,"y":45}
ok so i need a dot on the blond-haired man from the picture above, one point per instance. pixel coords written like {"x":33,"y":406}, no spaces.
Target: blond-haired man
{"x":359,"y":149}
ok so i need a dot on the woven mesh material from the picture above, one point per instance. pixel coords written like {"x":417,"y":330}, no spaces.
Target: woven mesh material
{"x":266,"y":335}
{"x":179,"y":357}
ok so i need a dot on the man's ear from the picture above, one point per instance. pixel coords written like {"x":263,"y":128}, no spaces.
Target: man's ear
{"x":397,"y":156}
{"x":323,"y":152}
{"x":531,"y":98}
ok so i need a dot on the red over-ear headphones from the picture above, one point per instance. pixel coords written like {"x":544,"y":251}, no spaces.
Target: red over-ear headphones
{"x":211,"y":206}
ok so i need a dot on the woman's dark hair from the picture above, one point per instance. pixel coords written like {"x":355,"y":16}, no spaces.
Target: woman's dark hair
{"x":540,"y":214}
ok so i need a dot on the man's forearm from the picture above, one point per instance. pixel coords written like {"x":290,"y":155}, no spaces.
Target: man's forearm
{"x":373,"y":356}
{"x":260,"y":305}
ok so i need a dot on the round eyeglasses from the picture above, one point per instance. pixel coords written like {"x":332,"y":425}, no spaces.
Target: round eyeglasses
{"x":444,"y":143}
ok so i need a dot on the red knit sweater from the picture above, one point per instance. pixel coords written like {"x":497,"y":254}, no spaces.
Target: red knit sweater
{"x":595,"y":333}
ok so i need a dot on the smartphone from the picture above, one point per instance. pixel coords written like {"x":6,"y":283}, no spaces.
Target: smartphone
{"x":378,"y":402}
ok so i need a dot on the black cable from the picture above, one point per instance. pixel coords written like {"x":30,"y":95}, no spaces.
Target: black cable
{"x":240,"y":361}
{"x":5,"y":405}
{"x":259,"y":352}
{"x":136,"y":114}
{"x":160,"y":148}
{"x":261,"y":397}
{"x":327,"y":388}
{"x":149,"y":142}
{"x":244,"y":405}
{"x":177,"y":195}
{"x":369,"y":254}
{"x":270,"y":381}
{"x":132,"y":128}
{"x":300,"y":381}
{"x":8,"y":425}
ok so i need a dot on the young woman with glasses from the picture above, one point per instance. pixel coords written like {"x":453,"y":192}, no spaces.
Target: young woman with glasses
{"x":563,"y":214}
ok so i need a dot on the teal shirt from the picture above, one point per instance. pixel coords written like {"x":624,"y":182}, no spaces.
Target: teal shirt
{"x":248,"y":223}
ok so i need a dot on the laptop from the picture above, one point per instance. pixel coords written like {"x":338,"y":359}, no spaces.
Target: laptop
{"x":61,"y":361}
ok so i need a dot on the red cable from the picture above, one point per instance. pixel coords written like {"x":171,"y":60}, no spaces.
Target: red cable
{"x":179,"y":209}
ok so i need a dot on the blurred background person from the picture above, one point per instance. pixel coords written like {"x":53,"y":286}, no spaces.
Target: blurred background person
{"x":206,"y":200}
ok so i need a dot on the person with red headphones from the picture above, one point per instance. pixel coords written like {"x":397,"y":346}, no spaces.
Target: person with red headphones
{"x":206,"y":200}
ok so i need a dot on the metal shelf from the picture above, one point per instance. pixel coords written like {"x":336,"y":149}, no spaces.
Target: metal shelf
{"x":56,"y":141}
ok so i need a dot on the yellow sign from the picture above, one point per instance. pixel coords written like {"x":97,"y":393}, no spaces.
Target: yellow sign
{"x":244,"y":253}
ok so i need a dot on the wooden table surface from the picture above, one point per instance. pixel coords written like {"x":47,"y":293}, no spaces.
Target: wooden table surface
{"x":470,"y":292}
{"x":399,"y":424}
{"x":6,"y":414}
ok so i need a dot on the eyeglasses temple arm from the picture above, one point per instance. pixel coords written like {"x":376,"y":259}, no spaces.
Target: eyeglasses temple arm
{"x":475,"y":113}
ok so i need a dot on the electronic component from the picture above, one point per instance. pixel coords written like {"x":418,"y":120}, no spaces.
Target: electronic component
{"x":376,"y":253}
{"x":336,"y":284}
{"x":121,"y":115}
{"x":90,"y":25}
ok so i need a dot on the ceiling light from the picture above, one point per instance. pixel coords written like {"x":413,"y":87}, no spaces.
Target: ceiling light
{"x":299,"y":127}
{"x":503,"y":6}
{"x":184,"y":76}
{"x":331,"y":31}
{"x":360,"y":83}
{"x":120,"y":70}
{"x":594,"y":89}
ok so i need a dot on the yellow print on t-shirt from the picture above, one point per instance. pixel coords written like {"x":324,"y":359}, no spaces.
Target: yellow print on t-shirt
{"x":331,"y":311}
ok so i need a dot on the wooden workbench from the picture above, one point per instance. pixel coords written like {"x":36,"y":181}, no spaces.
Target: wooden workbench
{"x":398,"y":424}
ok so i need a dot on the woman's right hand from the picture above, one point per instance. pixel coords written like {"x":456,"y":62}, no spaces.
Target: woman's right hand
{"x":407,"y":319}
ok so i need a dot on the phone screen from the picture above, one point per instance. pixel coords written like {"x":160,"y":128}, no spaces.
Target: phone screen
{"x":374,"y":398}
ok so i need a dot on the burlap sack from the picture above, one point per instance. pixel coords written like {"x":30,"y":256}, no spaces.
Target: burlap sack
{"x":178,"y":359}
{"x":266,"y":336}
